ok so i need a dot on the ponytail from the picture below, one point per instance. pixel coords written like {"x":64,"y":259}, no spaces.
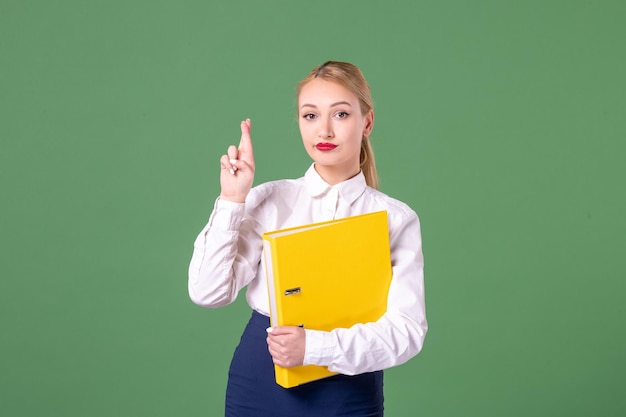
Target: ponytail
{"x":368,"y":164}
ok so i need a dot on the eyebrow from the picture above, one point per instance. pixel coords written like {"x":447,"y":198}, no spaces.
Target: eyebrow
{"x":332,"y":105}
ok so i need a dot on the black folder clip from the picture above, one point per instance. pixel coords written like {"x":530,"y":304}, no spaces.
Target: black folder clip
{"x":293,"y":291}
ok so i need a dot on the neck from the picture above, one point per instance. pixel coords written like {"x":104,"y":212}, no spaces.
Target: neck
{"x":335,"y":175}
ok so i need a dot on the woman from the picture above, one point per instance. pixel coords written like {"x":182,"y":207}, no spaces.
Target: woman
{"x":336,"y":118}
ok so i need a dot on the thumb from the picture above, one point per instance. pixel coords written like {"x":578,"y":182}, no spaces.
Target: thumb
{"x":280,"y":330}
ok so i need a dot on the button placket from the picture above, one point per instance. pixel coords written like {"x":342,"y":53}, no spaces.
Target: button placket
{"x":331,"y":202}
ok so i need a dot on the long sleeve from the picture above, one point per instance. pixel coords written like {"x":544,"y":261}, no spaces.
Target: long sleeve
{"x":225,"y":256}
{"x":399,"y":334}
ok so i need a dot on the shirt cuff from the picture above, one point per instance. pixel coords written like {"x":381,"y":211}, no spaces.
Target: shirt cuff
{"x":319,"y":348}
{"x":227,"y":215}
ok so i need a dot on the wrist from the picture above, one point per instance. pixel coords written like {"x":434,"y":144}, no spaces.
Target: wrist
{"x":233,"y":198}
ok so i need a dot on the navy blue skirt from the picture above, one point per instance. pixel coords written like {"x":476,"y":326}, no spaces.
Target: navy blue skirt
{"x":252,"y":390}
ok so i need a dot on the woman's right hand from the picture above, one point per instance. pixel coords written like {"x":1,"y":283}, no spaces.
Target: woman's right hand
{"x":237,"y":168}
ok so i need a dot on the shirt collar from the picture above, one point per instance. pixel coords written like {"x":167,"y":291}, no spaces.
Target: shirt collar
{"x":349,"y":190}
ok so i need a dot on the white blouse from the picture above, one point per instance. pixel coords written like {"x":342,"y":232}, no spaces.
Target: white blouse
{"x":227,"y":257}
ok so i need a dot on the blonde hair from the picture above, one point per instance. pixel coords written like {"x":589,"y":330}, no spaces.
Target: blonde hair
{"x":350,"y":77}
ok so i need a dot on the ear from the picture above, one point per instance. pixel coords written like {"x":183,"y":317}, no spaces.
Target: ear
{"x":369,"y":123}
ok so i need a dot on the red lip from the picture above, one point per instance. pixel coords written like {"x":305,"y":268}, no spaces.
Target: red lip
{"x":325,"y":146}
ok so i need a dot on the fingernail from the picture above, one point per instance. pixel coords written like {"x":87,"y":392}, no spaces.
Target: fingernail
{"x":269,"y":329}
{"x":232,"y":171}
{"x":233,"y":161}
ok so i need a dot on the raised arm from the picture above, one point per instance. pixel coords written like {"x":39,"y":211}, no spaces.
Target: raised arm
{"x":226,"y":251}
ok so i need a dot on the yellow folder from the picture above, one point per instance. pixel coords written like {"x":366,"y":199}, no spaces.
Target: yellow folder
{"x":327,"y":275}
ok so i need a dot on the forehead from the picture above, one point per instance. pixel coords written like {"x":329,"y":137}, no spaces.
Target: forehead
{"x":320,"y":92}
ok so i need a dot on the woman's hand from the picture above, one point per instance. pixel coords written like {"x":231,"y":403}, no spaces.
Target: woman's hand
{"x":286,"y":345}
{"x":237,"y":168}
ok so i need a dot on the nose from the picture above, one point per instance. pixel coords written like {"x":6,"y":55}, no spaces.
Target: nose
{"x":326,"y":129}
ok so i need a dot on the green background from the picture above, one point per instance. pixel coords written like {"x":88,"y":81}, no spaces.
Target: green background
{"x":502,"y":123}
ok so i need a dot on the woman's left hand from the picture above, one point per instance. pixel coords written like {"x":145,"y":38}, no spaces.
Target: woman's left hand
{"x":286,"y":345}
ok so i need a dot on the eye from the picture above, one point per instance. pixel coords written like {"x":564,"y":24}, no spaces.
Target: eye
{"x":308,"y":116}
{"x":341,"y":114}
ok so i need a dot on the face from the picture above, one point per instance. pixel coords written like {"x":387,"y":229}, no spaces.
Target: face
{"x":332,"y":127}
